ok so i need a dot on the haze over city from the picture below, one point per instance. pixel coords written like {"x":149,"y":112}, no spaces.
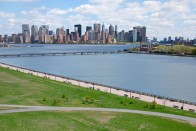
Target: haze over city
{"x":162,"y":18}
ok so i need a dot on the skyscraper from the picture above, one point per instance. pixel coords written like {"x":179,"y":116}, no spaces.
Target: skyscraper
{"x":46,"y":27}
{"x":116,"y":31}
{"x":134,"y":35}
{"x":97,"y":27}
{"x":42,"y":33}
{"x":34,"y":34}
{"x":88,"y":28}
{"x":26,"y":33}
{"x":103,"y":34}
{"x":141,"y":33}
{"x":78,"y":28}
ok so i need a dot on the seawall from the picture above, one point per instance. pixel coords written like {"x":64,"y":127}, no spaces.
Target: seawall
{"x":175,"y":103}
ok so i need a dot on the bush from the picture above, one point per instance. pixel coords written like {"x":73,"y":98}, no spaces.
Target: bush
{"x":152,"y":105}
{"x":87,"y":100}
{"x":63,"y":96}
{"x":146,"y":105}
{"x":44,"y":99}
{"x":54,"y":102}
{"x":131,"y":102}
{"x":194,"y":51}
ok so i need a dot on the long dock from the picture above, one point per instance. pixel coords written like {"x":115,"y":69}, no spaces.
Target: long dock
{"x":63,"y":53}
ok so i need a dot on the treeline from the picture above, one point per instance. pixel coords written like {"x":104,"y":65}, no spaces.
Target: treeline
{"x":176,"y":49}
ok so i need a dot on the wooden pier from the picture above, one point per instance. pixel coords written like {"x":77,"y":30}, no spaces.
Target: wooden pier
{"x":62,"y":53}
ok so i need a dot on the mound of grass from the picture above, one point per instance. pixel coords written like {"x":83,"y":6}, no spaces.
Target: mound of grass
{"x":26,"y":89}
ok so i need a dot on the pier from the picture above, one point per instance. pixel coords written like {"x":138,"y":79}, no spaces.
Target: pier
{"x":63,"y":53}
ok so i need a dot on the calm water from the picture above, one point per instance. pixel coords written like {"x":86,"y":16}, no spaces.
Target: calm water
{"x":169,"y":76}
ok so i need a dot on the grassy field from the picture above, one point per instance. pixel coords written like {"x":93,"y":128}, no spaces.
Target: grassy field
{"x":84,"y":121}
{"x":25,"y":89}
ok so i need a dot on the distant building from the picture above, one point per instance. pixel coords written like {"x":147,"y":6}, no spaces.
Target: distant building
{"x":134,"y":35}
{"x":97,"y":27}
{"x":88,"y":28}
{"x":46,"y":27}
{"x":141,"y":33}
{"x":78,"y":28}
{"x":34,"y":34}
{"x":19,"y":39}
{"x":26,"y":33}
{"x":67,"y":31}
{"x":1,"y":39}
{"x":42,"y":33}
{"x":13,"y":38}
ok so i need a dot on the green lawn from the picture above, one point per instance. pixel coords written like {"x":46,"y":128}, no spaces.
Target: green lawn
{"x":25,"y":89}
{"x":84,"y":121}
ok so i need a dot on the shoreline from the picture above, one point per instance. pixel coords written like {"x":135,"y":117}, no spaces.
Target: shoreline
{"x":135,"y":52}
{"x":165,"y":101}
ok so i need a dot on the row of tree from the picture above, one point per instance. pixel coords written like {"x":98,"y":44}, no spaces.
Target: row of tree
{"x":177,"y":49}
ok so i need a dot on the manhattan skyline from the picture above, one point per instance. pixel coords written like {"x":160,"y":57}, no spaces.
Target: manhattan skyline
{"x":161,"y":17}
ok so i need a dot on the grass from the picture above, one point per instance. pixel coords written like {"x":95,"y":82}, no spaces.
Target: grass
{"x":25,"y":89}
{"x":84,"y":121}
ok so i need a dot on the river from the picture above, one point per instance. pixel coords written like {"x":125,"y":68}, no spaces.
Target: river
{"x":170,"y":76}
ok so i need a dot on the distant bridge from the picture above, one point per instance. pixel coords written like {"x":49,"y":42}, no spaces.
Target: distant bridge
{"x":63,"y":53}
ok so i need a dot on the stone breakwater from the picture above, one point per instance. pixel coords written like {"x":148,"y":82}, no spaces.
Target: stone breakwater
{"x":175,"y":103}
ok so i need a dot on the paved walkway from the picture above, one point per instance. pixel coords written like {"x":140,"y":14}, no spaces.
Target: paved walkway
{"x":48,"y":108}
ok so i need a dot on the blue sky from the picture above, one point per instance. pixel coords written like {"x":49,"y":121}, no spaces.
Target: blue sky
{"x":162,"y":18}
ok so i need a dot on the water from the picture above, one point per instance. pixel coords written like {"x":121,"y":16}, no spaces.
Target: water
{"x":169,"y":76}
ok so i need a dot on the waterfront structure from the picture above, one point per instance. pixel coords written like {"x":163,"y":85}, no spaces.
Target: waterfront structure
{"x":78,"y":28}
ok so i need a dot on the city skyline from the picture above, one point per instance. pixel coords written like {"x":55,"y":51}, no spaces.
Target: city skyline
{"x":161,"y":17}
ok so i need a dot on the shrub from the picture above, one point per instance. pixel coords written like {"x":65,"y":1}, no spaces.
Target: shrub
{"x":54,"y":102}
{"x":194,"y":51}
{"x":44,"y":99}
{"x":152,"y":105}
{"x":87,"y":100}
{"x":131,"y":102}
{"x":146,"y":105}
{"x":63,"y":96}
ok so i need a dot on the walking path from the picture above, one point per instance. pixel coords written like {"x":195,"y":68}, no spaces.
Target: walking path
{"x":48,"y":108}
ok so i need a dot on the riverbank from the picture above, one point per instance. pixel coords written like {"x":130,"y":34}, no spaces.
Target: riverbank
{"x":113,"y":90}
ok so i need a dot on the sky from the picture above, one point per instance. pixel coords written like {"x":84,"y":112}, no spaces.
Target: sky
{"x":162,"y":18}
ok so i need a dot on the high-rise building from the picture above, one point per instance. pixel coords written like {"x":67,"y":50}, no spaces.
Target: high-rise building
{"x":141,"y":33}
{"x":67,"y":31}
{"x":19,"y":39}
{"x":88,"y":28}
{"x":134,"y":35}
{"x":103,"y":34}
{"x":42,"y":33}
{"x":46,"y":27}
{"x":13,"y":38}
{"x":26,"y":33}
{"x":78,"y":28}
{"x":116,"y":31}
{"x":97,"y":27}
{"x":1,"y":39}
{"x":34,"y":34}
{"x":111,"y":31}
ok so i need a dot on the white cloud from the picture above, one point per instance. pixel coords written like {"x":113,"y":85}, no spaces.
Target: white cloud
{"x":162,"y":18}
{"x":5,"y":14}
{"x":57,"y":12}
{"x":17,"y":0}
